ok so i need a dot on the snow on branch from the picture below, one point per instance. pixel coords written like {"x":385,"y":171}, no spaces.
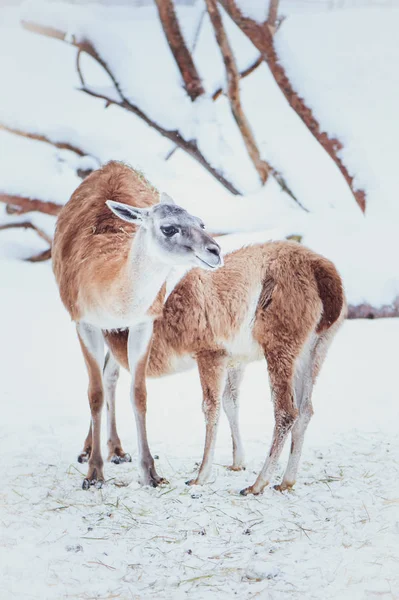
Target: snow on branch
{"x":261,"y":37}
{"x":189,"y":146}
{"x":233,"y":91}
{"x":178,"y":47}
{"x":217,"y":93}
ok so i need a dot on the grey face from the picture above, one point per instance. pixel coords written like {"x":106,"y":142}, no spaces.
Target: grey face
{"x":177,"y":237}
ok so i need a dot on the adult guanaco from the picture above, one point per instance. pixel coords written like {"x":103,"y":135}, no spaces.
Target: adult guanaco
{"x":116,"y":241}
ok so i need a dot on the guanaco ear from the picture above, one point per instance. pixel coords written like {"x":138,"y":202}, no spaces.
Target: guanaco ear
{"x":128,"y":213}
{"x":165,"y":199}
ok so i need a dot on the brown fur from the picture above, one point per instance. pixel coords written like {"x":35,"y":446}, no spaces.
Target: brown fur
{"x":92,"y":266}
{"x":96,"y":400}
{"x":117,"y":342}
{"x":156,"y":309}
{"x":207,"y":308}
{"x":212,"y":372}
{"x":330,"y":291}
{"x":87,"y":259}
{"x":299,"y":305}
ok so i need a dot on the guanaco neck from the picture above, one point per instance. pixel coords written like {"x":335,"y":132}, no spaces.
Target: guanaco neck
{"x":127,"y":298}
{"x":146,"y":273}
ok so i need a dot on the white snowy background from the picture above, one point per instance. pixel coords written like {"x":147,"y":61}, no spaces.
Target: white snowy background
{"x":337,"y":535}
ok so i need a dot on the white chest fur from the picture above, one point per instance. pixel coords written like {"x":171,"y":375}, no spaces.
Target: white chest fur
{"x":131,"y":295}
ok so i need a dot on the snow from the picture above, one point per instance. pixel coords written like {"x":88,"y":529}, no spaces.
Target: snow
{"x":335,"y":536}
{"x":337,"y":78}
{"x":254,"y":9}
{"x":47,"y":164}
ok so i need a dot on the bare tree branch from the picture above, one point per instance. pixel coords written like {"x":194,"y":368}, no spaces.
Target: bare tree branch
{"x":284,"y":186}
{"x":41,"y":257}
{"x":30,"y":205}
{"x":82,"y":173}
{"x":243,"y":74}
{"x":367,"y":311}
{"x":177,"y":45}
{"x":198,"y":30}
{"x":260,"y":36}
{"x":43,"y":138}
{"x":272,"y":15}
{"x":233,"y":91}
{"x":78,"y":69}
{"x":46,"y":254}
{"x":171,"y":153}
{"x":189,"y":146}
{"x":27,"y":225}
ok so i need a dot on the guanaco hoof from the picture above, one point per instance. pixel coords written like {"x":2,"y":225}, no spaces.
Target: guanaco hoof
{"x":84,"y":457}
{"x":192,"y":482}
{"x":158,"y":481}
{"x":120,"y":459}
{"x":87,"y":483}
{"x":234,"y":468}
{"x":153,"y":480}
{"x":282,"y":487}
{"x":249,"y":490}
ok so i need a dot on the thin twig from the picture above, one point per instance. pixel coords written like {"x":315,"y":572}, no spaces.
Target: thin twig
{"x":99,"y":562}
{"x":284,"y":186}
{"x":243,"y":74}
{"x":171,"y":153}
{"x":78,"y":68}
{"x":42,"y":256}
{"x":27,"y":225}
{"x":198,"y":31}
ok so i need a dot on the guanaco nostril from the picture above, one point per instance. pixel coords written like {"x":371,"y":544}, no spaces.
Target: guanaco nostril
{"x":215,"y":250}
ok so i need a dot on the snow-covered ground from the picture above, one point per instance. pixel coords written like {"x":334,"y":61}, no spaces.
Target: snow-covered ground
{"x":335,"y":536}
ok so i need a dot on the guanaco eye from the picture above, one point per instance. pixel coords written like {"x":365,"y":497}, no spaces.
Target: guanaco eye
{"x":202,"y":225}
{"x":169,"y":230}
